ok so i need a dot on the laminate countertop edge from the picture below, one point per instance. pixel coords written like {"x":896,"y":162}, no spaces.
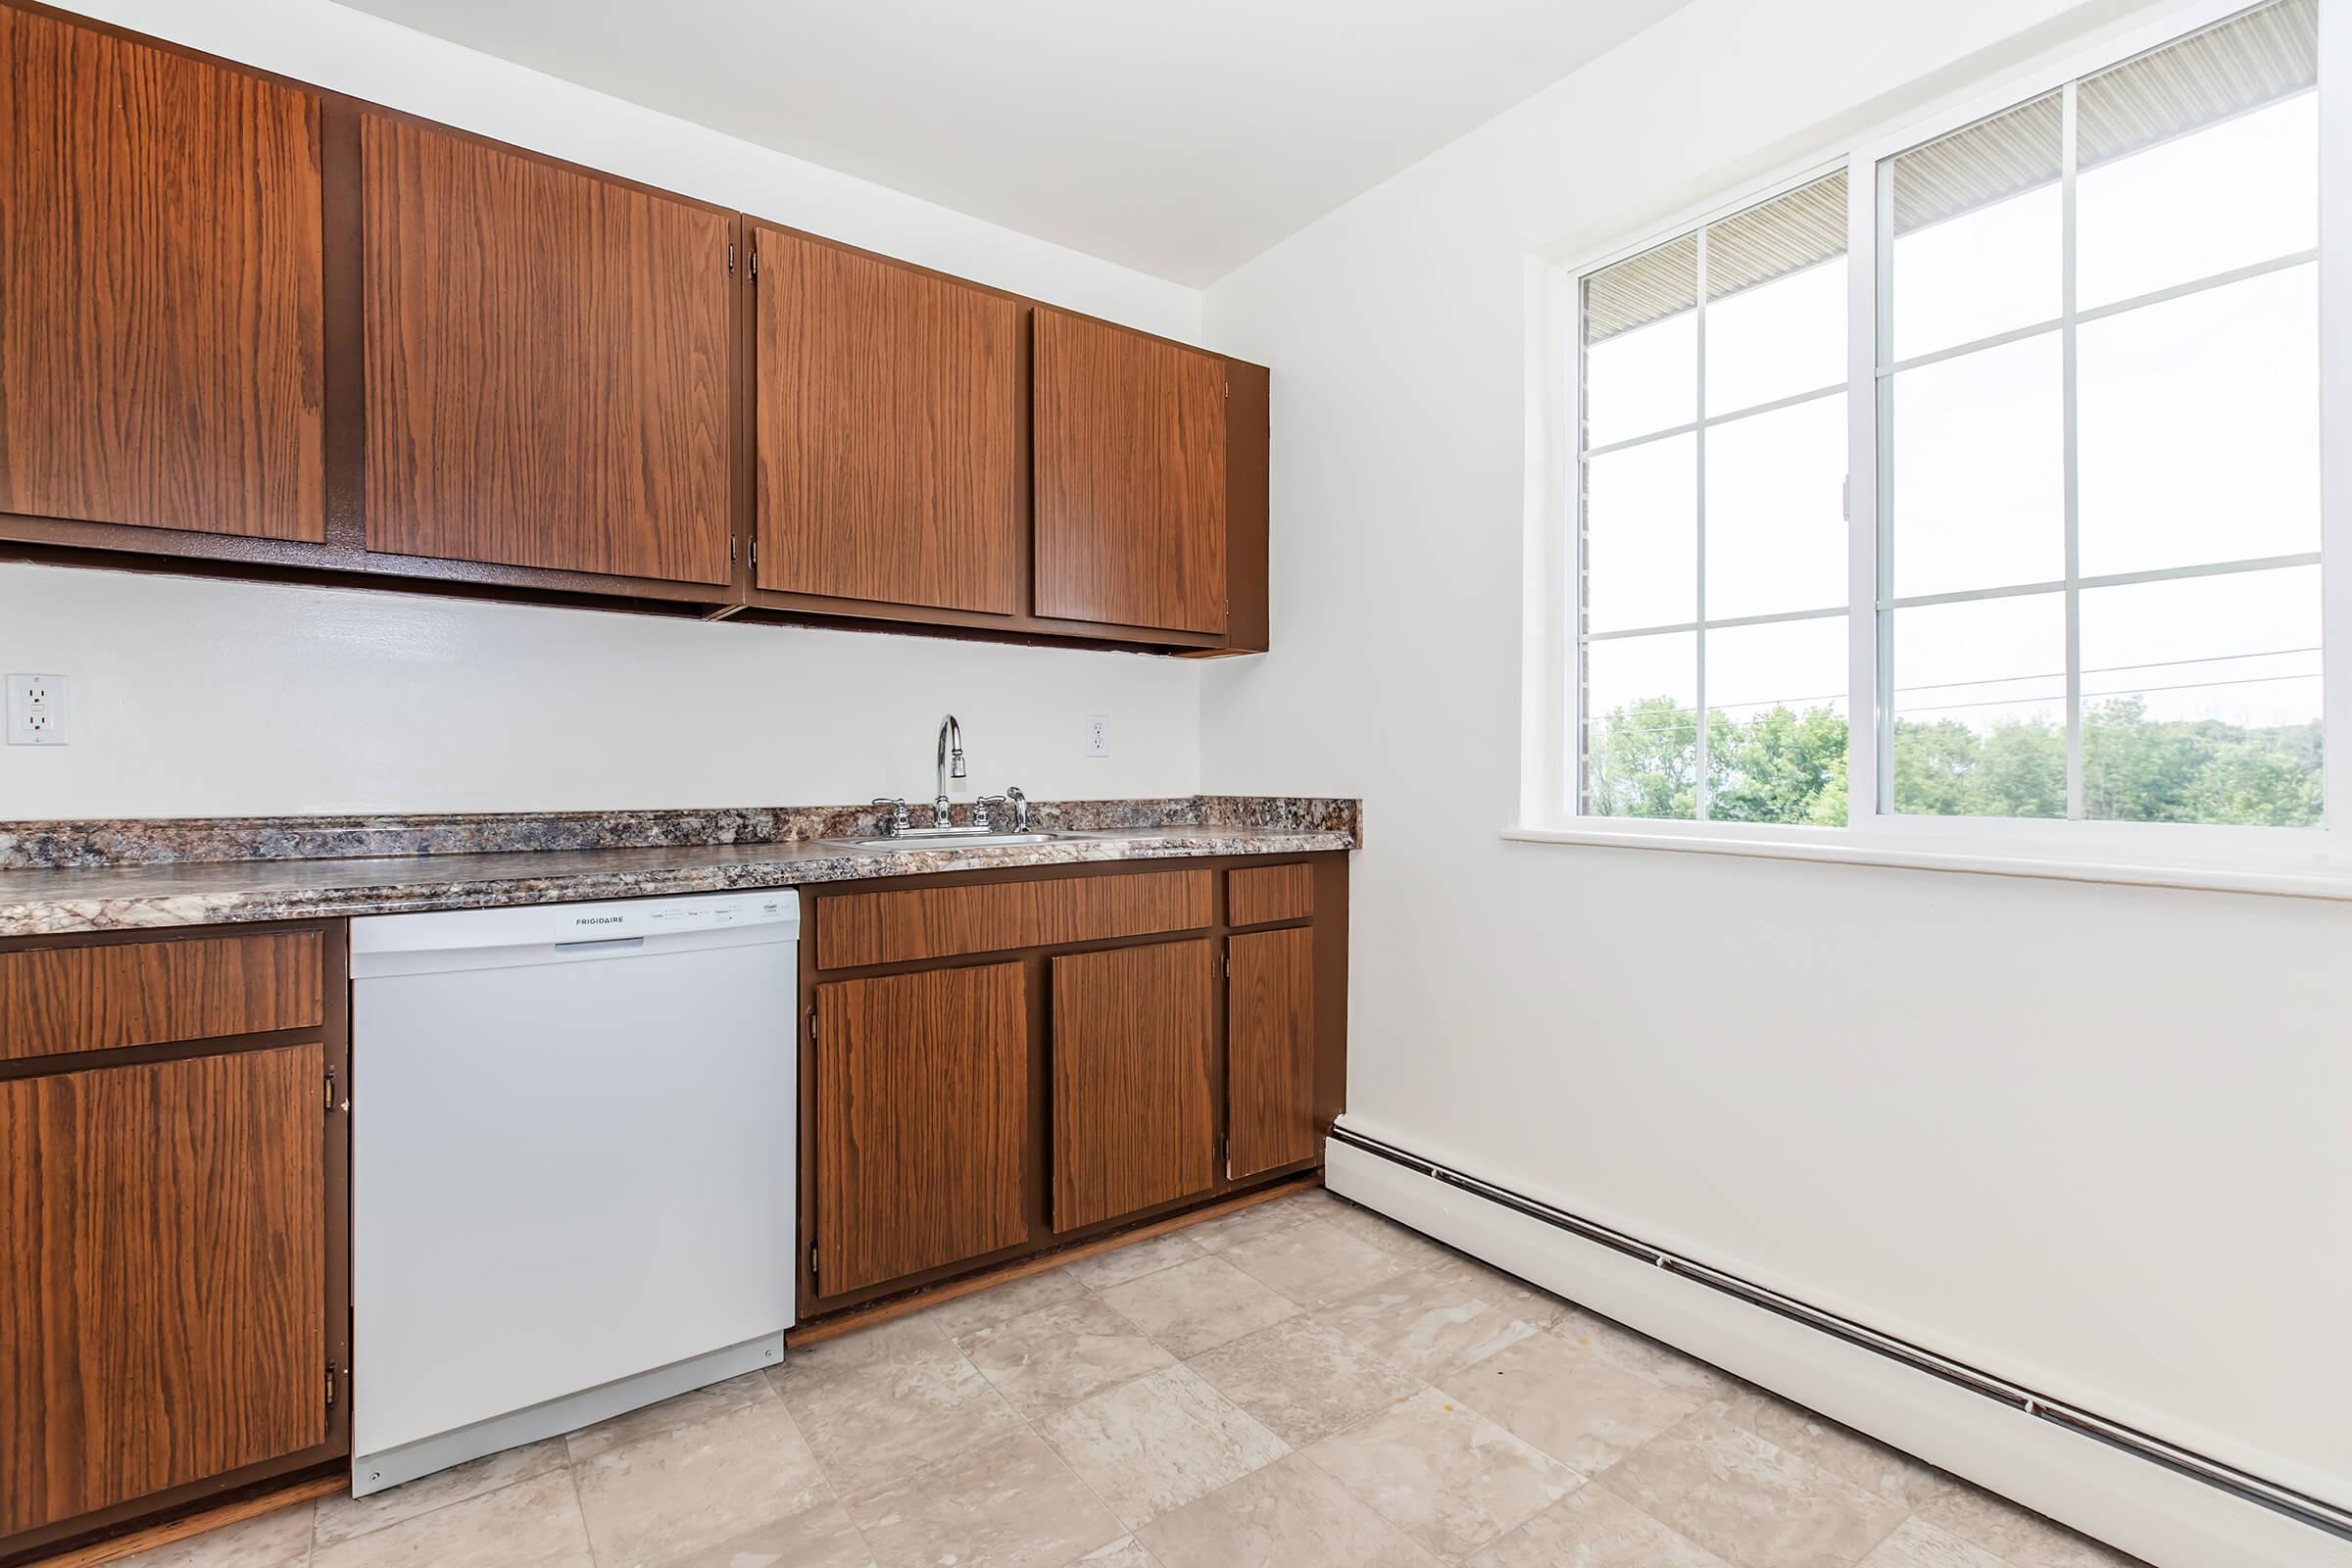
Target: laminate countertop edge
{"x":125,"y":898}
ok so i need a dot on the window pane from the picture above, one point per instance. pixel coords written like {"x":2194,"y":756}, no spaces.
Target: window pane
{"x":1976,"y":232}
{"x":1978,"y":470}
{"x":1641,"y":344}
{"x":2200,"y":157}
{"x":1642,"y":535}
{"x":1776,"y":722}
{"x":1777,"y":298}
{"x":2201,"y":700}
{"x":2199,"y":423}
{"x":1979,"y":707}
{"x":1642,"y":728}
{"x":1775,"y":511}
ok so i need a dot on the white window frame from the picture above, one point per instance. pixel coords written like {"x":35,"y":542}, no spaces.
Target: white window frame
{"x":2314,"y":861}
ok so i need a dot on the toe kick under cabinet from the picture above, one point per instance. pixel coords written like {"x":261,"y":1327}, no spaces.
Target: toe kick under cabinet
{"x":998,"y":1064}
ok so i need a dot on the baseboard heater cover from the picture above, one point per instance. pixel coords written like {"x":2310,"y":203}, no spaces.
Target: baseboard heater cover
{"x":2248,"y":1488}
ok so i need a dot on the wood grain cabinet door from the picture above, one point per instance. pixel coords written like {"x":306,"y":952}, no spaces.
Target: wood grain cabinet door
{"x":1270,"y":1045}
{"x":1130,"y":477}
{"x":1133,"y":1118}
{"x":548,"y":363}
{"x":162,"y":1273}
{"x":890,"y":416}
{"x":922,"y":1121}
{"x":161,"y":288}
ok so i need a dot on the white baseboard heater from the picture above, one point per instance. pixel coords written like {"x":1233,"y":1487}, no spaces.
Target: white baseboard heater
{"x":2171,"y":1525}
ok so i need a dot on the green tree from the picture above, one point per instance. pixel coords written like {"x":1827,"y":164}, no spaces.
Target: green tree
{"x":1644,"y":762}
{"x":1788,"y":766}
{"x":1776,"y":765}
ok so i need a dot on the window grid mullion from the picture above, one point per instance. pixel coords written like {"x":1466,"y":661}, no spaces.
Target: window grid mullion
{"x":1580,"y":585}
{"x":1881,"y":394}
{"x":1700,"y":792}
{"x":2335,"y":447}
{"x":2073,"y":492}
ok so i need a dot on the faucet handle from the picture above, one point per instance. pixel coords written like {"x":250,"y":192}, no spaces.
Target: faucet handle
{"x":982,"y":814}
{"x":897,"y":821}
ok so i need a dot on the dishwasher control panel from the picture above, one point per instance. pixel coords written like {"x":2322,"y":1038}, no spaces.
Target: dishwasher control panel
{"x":775,"y":911}
{"x":645,"y":917}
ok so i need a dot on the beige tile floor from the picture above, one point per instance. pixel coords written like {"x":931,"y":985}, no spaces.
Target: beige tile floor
{"x":1299,"y":1384}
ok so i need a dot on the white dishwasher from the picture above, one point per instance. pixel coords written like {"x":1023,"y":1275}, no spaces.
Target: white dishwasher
{"x":573,"y":1166}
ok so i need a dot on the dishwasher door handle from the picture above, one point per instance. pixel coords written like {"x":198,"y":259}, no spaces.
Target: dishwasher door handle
{"x":602,"y":945}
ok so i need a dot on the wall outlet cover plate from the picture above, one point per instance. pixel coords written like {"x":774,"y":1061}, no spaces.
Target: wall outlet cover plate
{"x":36,"y":710}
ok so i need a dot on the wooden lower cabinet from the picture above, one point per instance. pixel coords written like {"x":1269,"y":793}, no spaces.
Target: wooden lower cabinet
{"x":163,"y":1276}
{"x":921,"y":1120}
{"x":1270,"y":1033}
{"x":175,"y":1236}
{"x":1005,"y":1064}
{"x":1134,"y":1111}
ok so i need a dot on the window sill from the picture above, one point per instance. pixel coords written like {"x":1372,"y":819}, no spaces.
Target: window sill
{"x":2318,"y":882}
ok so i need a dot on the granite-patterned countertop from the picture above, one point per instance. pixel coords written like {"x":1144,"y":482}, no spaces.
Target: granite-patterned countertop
{"x":59,"y":878}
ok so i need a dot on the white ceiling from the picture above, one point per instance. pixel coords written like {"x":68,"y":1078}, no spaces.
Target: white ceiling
{"x":1180,"y":137}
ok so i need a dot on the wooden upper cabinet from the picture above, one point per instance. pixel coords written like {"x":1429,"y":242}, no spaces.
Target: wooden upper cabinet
{"x":1131,"y":481}
{"x":163,"y":1277}
{"x":890,"y":416}
{"x":548,"y":363}
{"x":161,"y":266}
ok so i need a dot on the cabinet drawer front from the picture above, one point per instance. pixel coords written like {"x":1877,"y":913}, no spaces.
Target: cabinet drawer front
{"x":163,"y":1276}
{"x":862,"y":928}
{"x":1261,"y":894}
{"x":54,"y":1000}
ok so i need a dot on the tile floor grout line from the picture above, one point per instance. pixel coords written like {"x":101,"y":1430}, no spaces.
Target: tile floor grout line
{"x":1130,"y":1531}
{"x":1135,"y":1531}
{"x":834,"y":1492}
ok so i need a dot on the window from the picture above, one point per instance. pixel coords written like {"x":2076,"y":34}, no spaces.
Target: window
{"x":2086,"y":473}
{"x":1712,"y":465}
{"x":2099,"y":445}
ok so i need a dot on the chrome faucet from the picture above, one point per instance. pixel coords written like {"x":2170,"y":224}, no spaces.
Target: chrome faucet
{"x":984,"y":811}
{"x":951,"y":746}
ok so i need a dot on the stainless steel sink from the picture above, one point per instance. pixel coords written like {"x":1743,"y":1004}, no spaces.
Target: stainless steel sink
{"x":926,"y":838}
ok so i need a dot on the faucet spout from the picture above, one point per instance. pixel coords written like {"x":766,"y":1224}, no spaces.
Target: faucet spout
{"x":949,"y":764}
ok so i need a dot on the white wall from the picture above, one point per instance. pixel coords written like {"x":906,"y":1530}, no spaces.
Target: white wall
{"x":203,"y":698}
{"x":2088,"y":1136}
{"x":214,"y":699}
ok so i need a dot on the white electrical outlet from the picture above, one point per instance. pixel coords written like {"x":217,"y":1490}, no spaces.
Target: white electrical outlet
{"x":36,"y":710}
{"x":1097,"y":734}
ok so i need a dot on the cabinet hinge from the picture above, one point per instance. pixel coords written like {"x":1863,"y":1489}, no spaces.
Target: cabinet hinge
{"x":330,"y":1385}
{"x":754,"y":264}
{"x":730,"y":552}
{"x":730,"y":258}
{"x":812,"y":1266}
{"x":754,"y":552}
{"x":331,"y":1091}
